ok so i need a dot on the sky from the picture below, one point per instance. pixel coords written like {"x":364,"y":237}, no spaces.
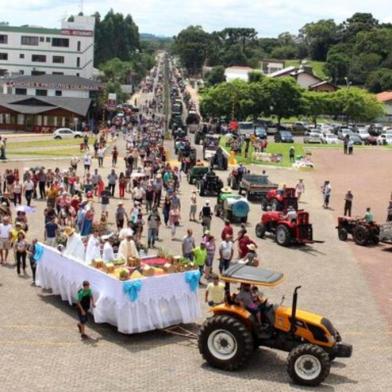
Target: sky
{"x":168,"y":17}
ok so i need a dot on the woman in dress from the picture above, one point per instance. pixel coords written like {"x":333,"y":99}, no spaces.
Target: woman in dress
{"x":87,"y":224}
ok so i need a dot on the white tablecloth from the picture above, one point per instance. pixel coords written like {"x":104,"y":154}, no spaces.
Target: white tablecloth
{"x":163,"y":300}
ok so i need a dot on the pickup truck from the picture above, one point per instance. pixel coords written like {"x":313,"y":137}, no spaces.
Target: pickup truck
{"x":256,"y":186}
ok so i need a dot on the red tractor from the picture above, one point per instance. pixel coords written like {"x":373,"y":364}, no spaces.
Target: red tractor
{"x":296,"y":231}
{"x":280,"y":200}
{"x":363,"y":233}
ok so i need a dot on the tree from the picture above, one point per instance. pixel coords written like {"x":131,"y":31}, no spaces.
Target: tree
{"x":284,"y":97}
{"x":361,"y":65}
{"x":215,"y":76}
{"x":255,"y":76}
{"x":315,"y":104}
{"x":116,"y":70}
{"x":337,"y":66}
{"x":115,"y":36}
{"x":357,"y":105}
{"x":319,"y":37}
{"x":379,"y":80}
{"x":358,"y":22}
{"x":284,"y":52}
{"x":377,"y":41}
{"x":191,"y":45}
{"x":245,"y":37}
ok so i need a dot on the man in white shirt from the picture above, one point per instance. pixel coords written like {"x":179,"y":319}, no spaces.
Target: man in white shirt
{"x":127,"y":247}
{"x":5,"y":239}
{"x":226,"y":251}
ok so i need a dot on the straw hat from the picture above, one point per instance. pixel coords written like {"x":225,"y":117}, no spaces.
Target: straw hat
{"x":69,"y":231}
{"x":251,"y":247}
{"x":226,"y":189}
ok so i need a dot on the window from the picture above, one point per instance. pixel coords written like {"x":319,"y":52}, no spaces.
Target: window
{"x":21,"y":91}
{"x":58,"y":93}
{"x":21,"y":56}
{"x":78,"y":74}
{"x":57,"y":73}
{"x":3,"y":56}
{"x":79,"y":46}
{"x":38,"y":58}
{"x":37,"y":73}
{"x":78,"y":62}
{"x":58,"y":59}
{"x":3,"y":39}
{"x":21,"y":72}
{"x":29,"y":40}
{"x":47,"y":39}
{"x":41,"y":93}
{"x":60,"y":42}
{"x":41,"y":39}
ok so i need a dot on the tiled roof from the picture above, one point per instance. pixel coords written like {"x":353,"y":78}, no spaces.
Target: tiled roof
{"x":385,"y":96}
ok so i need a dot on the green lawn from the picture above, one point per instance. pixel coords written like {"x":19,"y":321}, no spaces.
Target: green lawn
{"x":273,"y":148}
{"x":46,"y":143}
{"x":318,"y":67}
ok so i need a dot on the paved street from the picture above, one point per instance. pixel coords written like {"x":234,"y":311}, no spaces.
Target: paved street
{"x":41,"y":329}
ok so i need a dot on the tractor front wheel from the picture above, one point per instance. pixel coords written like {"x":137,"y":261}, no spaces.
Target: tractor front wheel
{"x":225,"y":342}
{"x":308,"y":365}
{"x":282,"y":235}
{"x":361,"y":235}
{"x":342,"y":234}
{"x":260,"y":230}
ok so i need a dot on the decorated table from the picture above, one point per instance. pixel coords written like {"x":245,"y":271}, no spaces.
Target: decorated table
{"x":134,"y":305}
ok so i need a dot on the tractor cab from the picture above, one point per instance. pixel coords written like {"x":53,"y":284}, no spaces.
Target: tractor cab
{"x":280,"y":200}
{"x":228,"y":338}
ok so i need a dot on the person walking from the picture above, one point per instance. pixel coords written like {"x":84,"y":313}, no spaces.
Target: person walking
{"x":166,"y":209}
{"x":193,"y":208}
{"x":326,"y":190}
{"x":122,"y":183}
{"x":350,"y":146}
{"x":33,"y":260}
{"x":114,"y":156}
{"x":389,"y":210}
{"x":348,"y":203}
{"x":28,"y":187}
{"x":85,"y":301}
{"x":200,"y":258}
{"x":100,"y":155}
{"x":345,"y":143}
{"x":206,"y":216}
{"x":299,"y":189}
{"x":174,"y":218}
{"x":120,"y":216}
{"x":226,"y":252}
{"x":188,"y":244}
{"x":153,"y":222}
{"x":112,"y":180}
{"x":292,"y":154}
{"x":21,"y":252}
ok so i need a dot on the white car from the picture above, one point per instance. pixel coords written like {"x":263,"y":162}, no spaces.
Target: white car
{"x":329,"y":138}
{"x":312,"y":137}
{"x":385,"y":138}
{"x":66,"y":133}
{"x":363,"y":133}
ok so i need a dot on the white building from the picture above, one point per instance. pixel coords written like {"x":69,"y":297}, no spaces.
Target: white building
{"x":66,"y":86}
{"x":28,"y":50}
{"x":237,"y":72}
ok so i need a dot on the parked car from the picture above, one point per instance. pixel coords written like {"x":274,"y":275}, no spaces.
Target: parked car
{"x":283,"y":137}
{"x":329,"y":138}
{"x":260,"y":132}
{"x":343,"y":132}
{"x":356,"y":139}
{"x":66,"y":133}
{"x":246,"y":128}
{"x":300,"y":127}
{"x":312,"y":137}
{"x":385,"y":138}
{"x":363,"y":133}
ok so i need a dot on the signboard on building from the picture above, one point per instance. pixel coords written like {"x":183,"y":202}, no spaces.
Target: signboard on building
{"x":79,"y":33}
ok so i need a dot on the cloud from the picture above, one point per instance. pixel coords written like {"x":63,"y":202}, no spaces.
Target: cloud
{"x":168,"y":17}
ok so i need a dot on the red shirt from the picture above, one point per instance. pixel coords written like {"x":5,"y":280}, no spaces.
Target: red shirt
{"x":227,"y":230}
{"x":243,"y":246}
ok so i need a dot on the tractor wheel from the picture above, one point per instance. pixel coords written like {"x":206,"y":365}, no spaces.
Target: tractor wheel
{"x":361,"y":235}
{"x":260,"y":230}
{"x":225,"y":343}
{"x":375,"y":239}
{"x":282,"y":235}
{"x":308,"y":365}
{"x":342,"y":234}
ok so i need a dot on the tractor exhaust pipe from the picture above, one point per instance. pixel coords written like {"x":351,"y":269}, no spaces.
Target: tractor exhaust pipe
{"x":293,"y":327}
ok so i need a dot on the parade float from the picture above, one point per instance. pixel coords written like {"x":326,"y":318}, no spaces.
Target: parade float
{"x":134,"y":295}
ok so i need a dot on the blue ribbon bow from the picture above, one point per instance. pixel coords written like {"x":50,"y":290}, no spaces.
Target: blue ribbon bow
{"x":38,"y":252}
{"x":132,"y":289}
{"x":192,"y":278}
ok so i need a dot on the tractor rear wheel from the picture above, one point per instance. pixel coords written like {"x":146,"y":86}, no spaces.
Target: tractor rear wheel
{"x":361,"y":235}
{"x":342,"y":234}
{"x":260,"y":230}
{"x":225,"y":342}
{"x":308,"y":365}
{"x":282,"y":235}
